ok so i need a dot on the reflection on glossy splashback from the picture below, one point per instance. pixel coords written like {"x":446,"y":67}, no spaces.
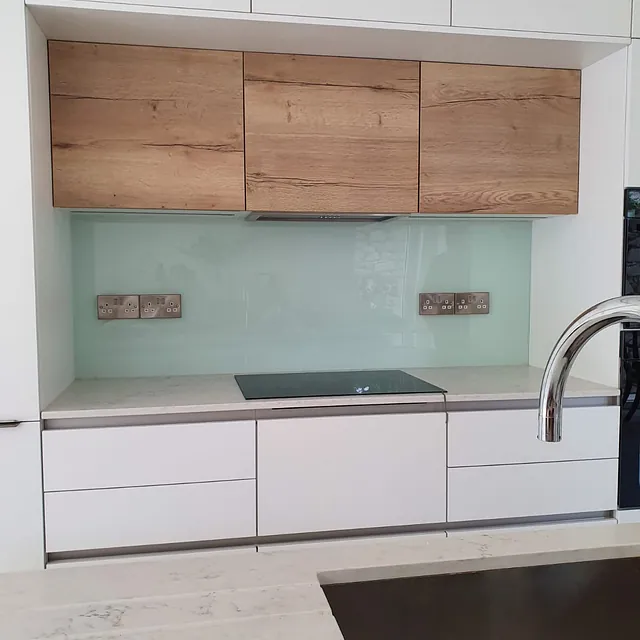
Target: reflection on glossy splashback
{"x":297,"y":296}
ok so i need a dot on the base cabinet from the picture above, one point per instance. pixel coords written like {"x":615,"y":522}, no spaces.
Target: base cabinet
{"x":532,"y":490}
{"x":353,"y":472}
{"x":21,"y":541}
{"x":142,"y":516}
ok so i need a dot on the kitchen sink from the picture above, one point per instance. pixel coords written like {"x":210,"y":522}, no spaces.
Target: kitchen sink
{"x":580,"y":601}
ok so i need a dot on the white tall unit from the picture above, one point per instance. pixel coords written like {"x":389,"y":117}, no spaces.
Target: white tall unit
{"x":21,"y":531}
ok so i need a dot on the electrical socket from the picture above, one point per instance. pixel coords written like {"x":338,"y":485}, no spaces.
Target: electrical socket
{"x":437,"y":304}
{"x":470,"y":303}
{"x":163,"y":305}
{"x":123,"y":307}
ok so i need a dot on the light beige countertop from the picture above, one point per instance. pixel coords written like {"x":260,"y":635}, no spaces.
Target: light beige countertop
{"x":122,"y":397}
{"x":267,"y":595}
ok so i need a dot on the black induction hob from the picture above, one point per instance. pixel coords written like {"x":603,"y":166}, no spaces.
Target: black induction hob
{"x":273,"y":386}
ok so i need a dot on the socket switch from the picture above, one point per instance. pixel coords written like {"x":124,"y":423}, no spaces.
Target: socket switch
{"x":123,"y":307}
{"x":156,"y":306}
{"x":437,"y":304}
{"x":471,"y":304}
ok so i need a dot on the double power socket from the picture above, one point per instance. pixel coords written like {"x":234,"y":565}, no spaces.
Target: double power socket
{"x":459,"y":304}
{"x":135,"y":307}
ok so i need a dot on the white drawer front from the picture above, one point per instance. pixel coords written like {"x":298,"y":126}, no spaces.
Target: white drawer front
{"x":416,"y":11}
{"x":588,"y":17}
{"x":508,"y":437}
{"x":137,"y":456}
{"x":110,"y":518}
{"x":351,"y":472}
{"x":530,"y":490}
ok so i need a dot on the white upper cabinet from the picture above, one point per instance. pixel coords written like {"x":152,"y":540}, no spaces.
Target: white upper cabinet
{"x":635,"y":27}
{"x":584,"y":17}
{"x":217,"y":5}
{"x":413,"y":11}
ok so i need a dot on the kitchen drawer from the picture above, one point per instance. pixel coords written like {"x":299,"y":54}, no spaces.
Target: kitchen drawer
{"x":508,"y":437}
{"x":531,"y":490}
{"x":152,"y":455}
{"x":110,"y":518}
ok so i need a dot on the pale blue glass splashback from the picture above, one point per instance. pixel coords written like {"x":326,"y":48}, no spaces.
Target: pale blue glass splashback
{"x":279,"y":296}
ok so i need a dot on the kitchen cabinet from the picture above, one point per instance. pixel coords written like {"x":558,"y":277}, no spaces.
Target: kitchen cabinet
{"x":331,"y":134}
{"x":499,"y":139}
{"x":100,"y":458}
{"x":633,"y":115}
{"x":351,"y":472}
{"x":142,"y":516}
{"x":18,"y":346}
{"x":21,"y":525}
{"x":532,"y":490}
{"x":585,"y":17}
{"x":416,"y":11}
{"x":219,"y":5}
{"x":146,"y":127}
{"x":480,"y":438}
{"x":635,"y":25}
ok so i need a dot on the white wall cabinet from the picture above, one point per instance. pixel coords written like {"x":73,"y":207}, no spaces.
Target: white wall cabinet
{"x":139,"y":516}
{"x":99,"y":458}
{"x":635,"y":26}
{"x":352,"y":472}
{"x":584,"y":17}
{"x":410,"y":11}
{"x":21,"y":526}
{"x":217,"y":5}
{"x":532,"y":490}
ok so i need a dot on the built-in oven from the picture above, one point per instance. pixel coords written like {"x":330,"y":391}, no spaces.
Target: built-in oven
{"x":629,"y":485}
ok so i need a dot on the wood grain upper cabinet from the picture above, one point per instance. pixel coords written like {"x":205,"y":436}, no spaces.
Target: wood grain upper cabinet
{"x":499,"y":140}
{"x":416,"y":11}
{"x":146,"y":127}
{"x":331,"y":134}
{"x":587,"y":17}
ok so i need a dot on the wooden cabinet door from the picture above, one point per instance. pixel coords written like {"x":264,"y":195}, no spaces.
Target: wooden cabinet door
{"x":331,"y":134}
{"x":416,"y":11}
{"x":146,"y":127}
{"x":587,"y":17}
{"x":350,"y":472}
{"x":499,"y":139}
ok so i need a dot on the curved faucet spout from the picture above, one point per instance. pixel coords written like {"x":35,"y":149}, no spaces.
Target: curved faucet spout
{"x":579,"y":332}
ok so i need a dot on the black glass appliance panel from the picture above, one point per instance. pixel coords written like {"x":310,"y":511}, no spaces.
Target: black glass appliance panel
{"x":629,"y":484}
{"x":273,"y":386}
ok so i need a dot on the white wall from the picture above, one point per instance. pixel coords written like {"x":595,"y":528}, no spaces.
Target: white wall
{"x":577,"y":262}
{"x":52,"y":236}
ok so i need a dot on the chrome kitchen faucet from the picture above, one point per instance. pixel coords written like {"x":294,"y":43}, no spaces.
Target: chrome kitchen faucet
{"x":577,"y":334}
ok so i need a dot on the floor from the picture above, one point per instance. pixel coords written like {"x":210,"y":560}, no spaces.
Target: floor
{"x":586,"y":600}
